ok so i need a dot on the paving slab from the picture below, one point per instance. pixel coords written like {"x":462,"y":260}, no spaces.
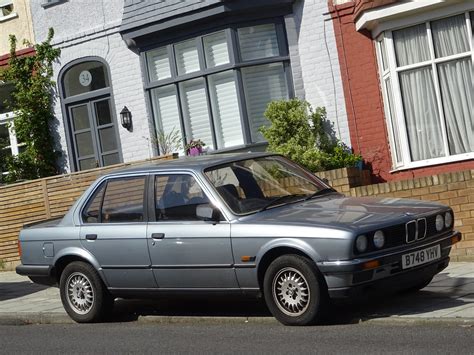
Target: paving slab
{"x":449,"y":298}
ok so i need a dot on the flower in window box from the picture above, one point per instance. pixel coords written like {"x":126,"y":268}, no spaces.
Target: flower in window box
{"x":194,"y":147}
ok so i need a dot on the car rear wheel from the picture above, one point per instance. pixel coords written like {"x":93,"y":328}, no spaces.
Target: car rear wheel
{"x":83,"y":293}
{"x":293,"y":291}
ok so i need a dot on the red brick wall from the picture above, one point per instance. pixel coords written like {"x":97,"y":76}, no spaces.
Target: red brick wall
{"x":364,"y":105}
{"x":20,"y":53}
{"x":363,"y":5}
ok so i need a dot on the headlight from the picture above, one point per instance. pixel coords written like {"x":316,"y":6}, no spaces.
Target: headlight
{"x":361,"y":243}
{"x":448,"y":219}
{"x":379,"y":239}
{"x":439,"y":223}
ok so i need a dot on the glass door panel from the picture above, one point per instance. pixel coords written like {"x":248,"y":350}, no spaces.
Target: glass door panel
{"x":94,"y":135}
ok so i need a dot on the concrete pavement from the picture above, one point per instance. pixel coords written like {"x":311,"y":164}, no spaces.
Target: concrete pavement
{"x":449,"y":298}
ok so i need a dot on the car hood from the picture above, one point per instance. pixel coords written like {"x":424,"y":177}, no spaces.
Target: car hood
{"x":349,"y":213}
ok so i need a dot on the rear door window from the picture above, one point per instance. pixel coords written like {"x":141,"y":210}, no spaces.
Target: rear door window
{"x":117,"y":201}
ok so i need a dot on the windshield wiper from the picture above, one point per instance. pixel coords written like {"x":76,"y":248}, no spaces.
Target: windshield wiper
{"x":324,"y":191}
{"x":277,"y":200}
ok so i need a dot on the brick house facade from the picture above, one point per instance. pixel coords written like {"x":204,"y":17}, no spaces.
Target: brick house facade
{"x":360,"y":26}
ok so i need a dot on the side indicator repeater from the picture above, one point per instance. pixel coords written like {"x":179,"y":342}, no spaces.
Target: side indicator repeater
{"x":246,"y":258}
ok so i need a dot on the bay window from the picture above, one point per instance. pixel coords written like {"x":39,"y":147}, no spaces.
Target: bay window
{"x":216,"y":86}
{"x":427,"y":83}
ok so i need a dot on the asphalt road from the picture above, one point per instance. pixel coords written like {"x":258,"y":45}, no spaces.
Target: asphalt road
{"x":131,"y":337}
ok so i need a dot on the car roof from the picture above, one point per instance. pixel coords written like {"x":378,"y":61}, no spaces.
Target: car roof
{"x":198,"y":163}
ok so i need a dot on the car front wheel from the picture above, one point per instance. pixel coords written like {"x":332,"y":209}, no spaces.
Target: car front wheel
{"x":293,"y":291}
{"x":83,"y":294}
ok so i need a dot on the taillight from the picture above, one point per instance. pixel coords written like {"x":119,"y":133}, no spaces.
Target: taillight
{"x":19,"y":248}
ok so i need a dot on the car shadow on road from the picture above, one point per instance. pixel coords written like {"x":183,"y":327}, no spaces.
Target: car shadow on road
{"x":212,"y":306}
{"x":12,"y":290}
{"x":442,"y":296}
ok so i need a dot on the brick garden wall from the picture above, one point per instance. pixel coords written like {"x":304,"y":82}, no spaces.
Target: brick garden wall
{"x":363,"y":97}
{"x":453,"y":189}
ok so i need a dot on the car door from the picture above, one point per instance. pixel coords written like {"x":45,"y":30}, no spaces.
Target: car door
{"x":114,"y":231}
{"x":187,"y":252}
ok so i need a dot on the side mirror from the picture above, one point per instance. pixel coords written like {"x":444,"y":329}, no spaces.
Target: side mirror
{"x":207,"y":212}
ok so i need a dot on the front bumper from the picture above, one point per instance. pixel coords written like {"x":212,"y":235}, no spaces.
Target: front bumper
{"x":348,"y":279}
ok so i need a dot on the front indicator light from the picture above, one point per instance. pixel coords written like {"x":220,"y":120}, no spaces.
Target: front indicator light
{"x":455,"y":239}
{"x":439,"y":223}
{"x":361,"y":243}
{"x":371,"y":264}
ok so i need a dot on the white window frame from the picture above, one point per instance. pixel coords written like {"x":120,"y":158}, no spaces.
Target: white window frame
{"x":391,"y":73}
{"x":4,"y":3}
{"x":5,"y":119}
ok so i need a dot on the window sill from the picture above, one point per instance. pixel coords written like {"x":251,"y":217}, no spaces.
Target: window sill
{"x":433,"y":162}
{"x":8,"y":17}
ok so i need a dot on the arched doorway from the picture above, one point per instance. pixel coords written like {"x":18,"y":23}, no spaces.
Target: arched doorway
{"x":92,"y":131}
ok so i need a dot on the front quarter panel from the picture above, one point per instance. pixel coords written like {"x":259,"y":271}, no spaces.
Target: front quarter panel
{"x":255,"y":241}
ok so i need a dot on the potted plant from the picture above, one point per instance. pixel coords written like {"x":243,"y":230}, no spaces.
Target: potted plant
{"x":194,"y":147}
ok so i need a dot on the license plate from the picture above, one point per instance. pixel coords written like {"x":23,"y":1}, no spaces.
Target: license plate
{"x":420,"y":257}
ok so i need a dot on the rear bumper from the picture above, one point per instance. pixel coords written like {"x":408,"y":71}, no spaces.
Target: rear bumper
{"x":33,"y":270}
{"x":348,"y":279}
{"x":40,"y":274}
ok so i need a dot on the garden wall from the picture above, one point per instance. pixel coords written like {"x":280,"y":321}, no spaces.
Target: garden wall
{"x":454,"y":189}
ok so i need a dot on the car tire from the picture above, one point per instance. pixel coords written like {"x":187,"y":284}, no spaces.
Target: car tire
{"x":83,"y":294}
{"x":294,"y":291}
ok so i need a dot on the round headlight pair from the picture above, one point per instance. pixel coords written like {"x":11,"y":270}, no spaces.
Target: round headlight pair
{"x":362,"y":241}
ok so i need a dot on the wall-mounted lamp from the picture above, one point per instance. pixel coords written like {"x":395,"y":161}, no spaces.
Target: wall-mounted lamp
{"x":126,"y":118}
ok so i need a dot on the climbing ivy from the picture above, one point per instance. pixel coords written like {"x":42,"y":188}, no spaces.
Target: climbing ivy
{"x":32,"y":104}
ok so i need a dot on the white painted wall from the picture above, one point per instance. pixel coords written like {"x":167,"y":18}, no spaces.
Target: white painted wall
{"x":315,"y":63}
{"x":86,"y":28}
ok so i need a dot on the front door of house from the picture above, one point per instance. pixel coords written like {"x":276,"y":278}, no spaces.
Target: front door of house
{"x":94,"y":134}
{"x":90,"y":124}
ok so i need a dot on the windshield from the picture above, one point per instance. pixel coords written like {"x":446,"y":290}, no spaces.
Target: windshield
{"x":253,"y":185}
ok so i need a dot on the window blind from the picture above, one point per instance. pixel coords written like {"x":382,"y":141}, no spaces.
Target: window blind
{"x":195,"y":110}
{"x":165,"y":107}
{"x":262,"y":84}
{"x":215,"y":49}
{"x":158,"y":64}
{"x":187,"y":57}
{"x":225,"y":109}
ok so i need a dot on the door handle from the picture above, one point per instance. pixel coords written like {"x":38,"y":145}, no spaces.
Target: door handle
{"x":91,"y":236}
{"x":158,"y":235}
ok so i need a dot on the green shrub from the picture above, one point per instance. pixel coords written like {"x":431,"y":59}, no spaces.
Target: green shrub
{"x":31,"y":101}
{"x":305,"y":136}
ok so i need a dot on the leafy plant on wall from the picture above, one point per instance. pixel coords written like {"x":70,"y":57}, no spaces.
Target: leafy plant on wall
{"x":32,"y":106}
{"x":304,"y":135}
